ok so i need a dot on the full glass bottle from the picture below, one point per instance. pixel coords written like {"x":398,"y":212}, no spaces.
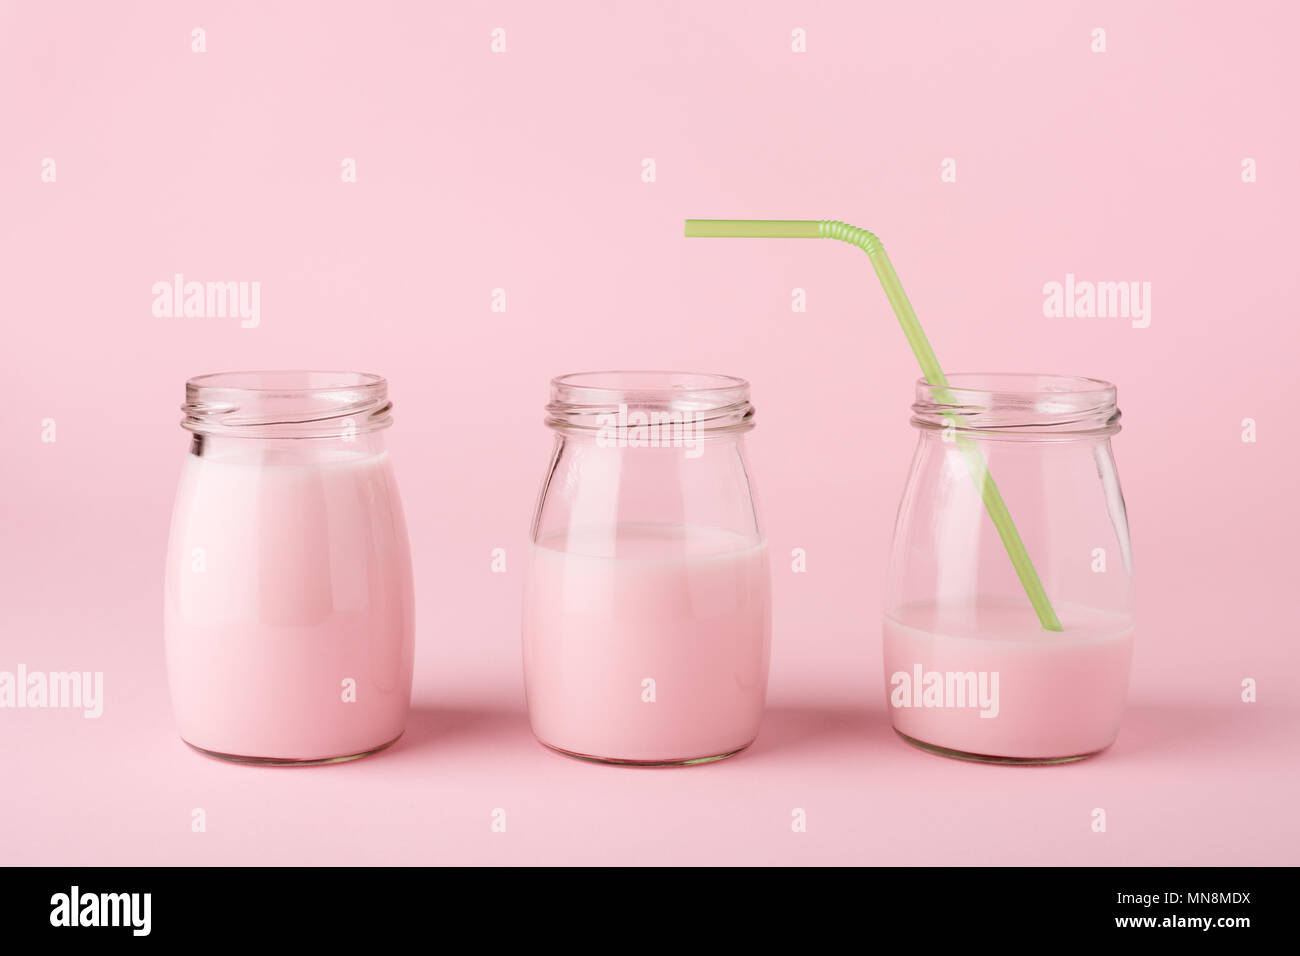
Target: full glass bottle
{"x":289,"y":614}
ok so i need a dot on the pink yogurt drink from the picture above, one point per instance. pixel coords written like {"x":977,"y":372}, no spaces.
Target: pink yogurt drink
{"x":647,"y":644}
{"x":986,"y":681}
{"x":289,"y":614}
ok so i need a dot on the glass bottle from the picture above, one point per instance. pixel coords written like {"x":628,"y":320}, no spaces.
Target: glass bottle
{"x":647,"y":622}
{"x":289,"y":613}
{"x":970,"y":669}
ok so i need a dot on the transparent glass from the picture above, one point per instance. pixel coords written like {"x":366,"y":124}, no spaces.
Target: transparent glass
{"x":647,"y":620}
{"x":289,"y":612}
{"x":969,"y":669}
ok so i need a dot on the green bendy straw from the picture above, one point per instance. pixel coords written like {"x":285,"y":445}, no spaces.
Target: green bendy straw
{"x":868,"y":243}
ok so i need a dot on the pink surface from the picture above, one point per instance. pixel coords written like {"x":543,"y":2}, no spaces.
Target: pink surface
{"x":522,"y":171}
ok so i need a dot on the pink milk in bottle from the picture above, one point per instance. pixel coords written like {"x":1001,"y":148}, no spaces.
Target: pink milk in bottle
{"x":989,"y":681}
{"x":648,"y":646}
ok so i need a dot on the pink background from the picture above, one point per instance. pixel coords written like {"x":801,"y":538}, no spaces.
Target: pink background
{"x":522,"y":171}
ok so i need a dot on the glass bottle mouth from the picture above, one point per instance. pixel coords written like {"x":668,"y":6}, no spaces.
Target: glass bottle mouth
{"x":1014,"y":404}
{"x":596,"y":401}
{"x":287,"y":404}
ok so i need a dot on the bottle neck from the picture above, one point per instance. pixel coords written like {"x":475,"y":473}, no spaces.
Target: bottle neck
{"x":277,"y":406}
{"x":649,"y":409}
{"x":1015,"y":406}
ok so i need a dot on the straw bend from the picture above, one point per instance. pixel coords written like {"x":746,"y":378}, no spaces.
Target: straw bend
{"x":864,"y":240}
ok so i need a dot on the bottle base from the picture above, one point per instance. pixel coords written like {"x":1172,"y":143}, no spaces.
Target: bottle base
{"x":289,"y":761}
{"x":992,"y":758}
{"x":619,"y":762}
